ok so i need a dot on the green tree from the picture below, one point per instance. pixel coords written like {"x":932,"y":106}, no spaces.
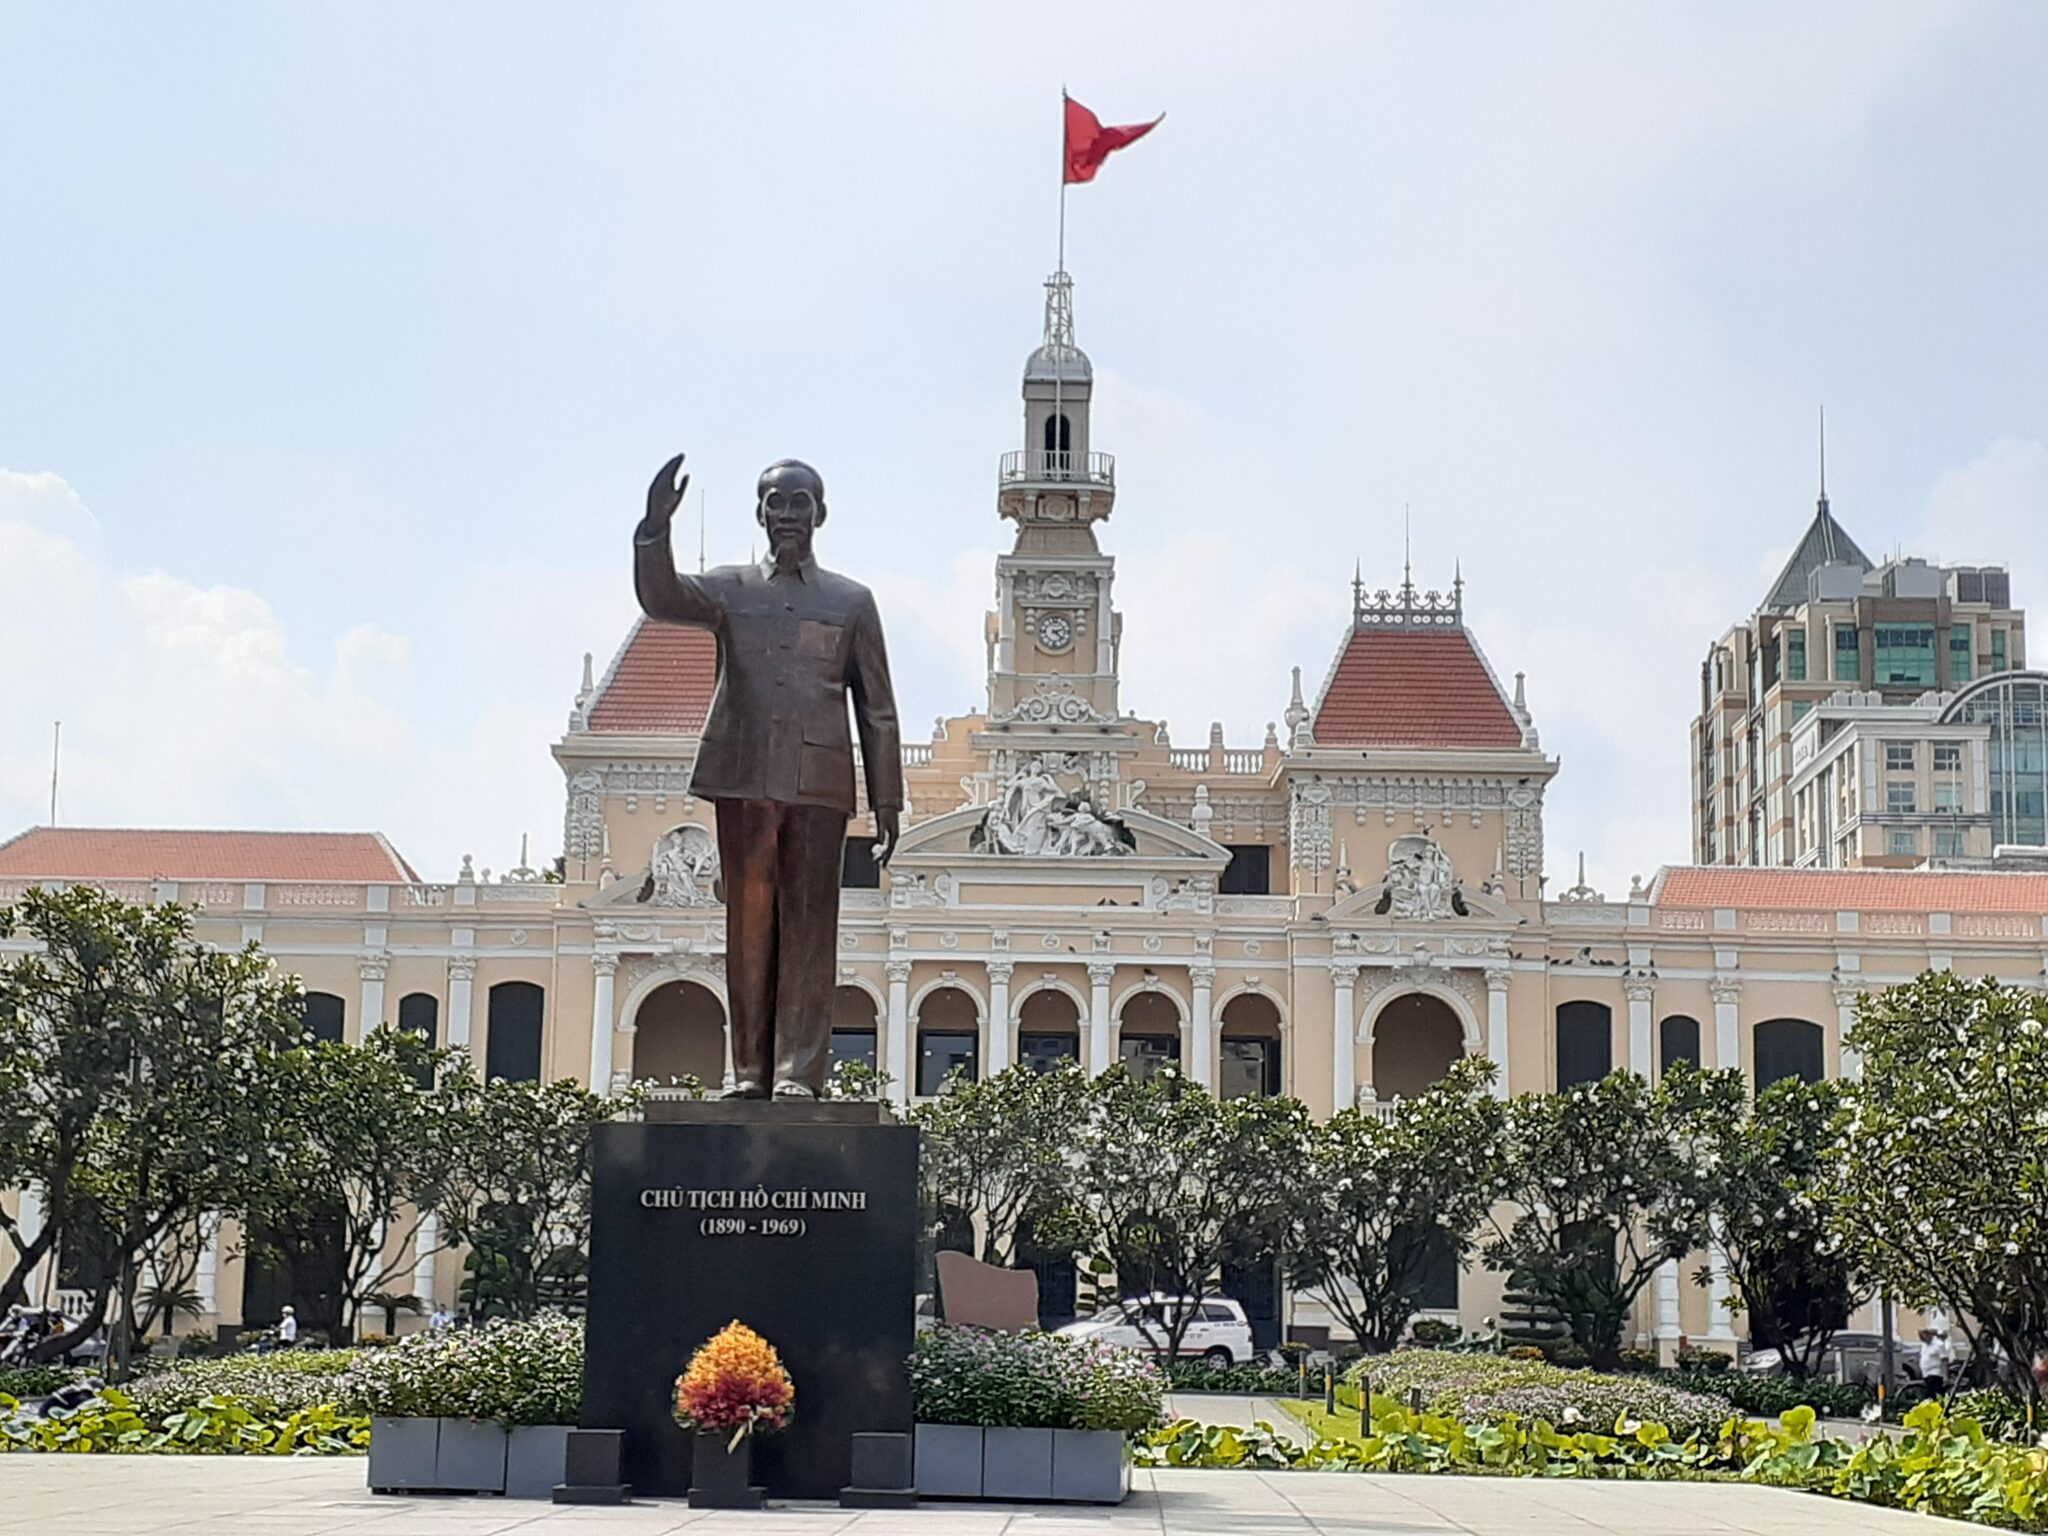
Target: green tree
{"x":142,"y":1075}
{"x":1941,"y":1190}
{"x":1604,"y":1182}
{"x":997,"y":1150}
{"x":1380,"y":1198}
{"x":363,"y":1150}
{"x":1791,"y":1274}
{"x":517,"y":1188}
{"x":1176,"y":1184}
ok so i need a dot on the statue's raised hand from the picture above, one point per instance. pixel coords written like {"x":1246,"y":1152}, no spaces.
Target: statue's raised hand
{"x":664,"y":495}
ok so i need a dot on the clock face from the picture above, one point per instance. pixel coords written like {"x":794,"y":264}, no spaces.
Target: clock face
{"x":1055,"y":633}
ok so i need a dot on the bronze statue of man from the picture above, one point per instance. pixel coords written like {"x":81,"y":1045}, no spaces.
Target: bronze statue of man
{"x":776,"y":760}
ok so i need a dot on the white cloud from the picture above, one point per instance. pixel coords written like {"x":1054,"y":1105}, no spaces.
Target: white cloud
{"x":1973,"y":513}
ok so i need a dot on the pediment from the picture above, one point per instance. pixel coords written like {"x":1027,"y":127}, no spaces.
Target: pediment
{"x":1374,"y":907}
{"x":952,"y":840}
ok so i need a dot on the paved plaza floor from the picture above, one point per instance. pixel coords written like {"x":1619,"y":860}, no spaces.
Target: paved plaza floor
{"x":263,"y":1496}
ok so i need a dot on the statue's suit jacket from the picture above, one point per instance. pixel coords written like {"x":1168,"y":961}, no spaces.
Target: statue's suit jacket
{"x":792,"y":645}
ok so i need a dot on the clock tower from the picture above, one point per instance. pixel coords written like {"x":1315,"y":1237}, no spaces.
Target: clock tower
{"x":1052,"y":641}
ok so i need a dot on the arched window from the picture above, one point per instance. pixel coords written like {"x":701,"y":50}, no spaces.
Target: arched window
{"x":948,"y":1039}
{"x":420,"y":1012}
{"x":1678,"y":1039}
{"x":325,"y":1014}
{"x":1059,"y":434}
{"x":1585,"y":1043}
{"x":512,"y":1047}
{"x":1249,"y":1067}
{"x":679,"y":1035}
{"x":1148,"y":1033}
{"x":853,"y":1027}
{"x":1415,"y":1041}
{"x":1789,"y":1048}
{"x":1048,"y":1030}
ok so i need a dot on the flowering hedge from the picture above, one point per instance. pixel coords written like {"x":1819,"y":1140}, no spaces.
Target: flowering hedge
{"x":735,"y":1381}
{"x":1487,"y":1388}
{"x":271,"y":1386}
{"x":517,"y":1373}
{"x":1033,"y":1381}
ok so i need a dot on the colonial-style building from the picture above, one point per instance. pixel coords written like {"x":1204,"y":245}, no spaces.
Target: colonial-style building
{"x":1337,"y":912}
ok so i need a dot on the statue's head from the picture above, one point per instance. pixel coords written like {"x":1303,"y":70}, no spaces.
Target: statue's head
{"x":789,"y":503}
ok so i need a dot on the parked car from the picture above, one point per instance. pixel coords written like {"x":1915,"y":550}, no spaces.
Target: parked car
{"x":1852,"y":1355}
{"x":1219,"y":1332}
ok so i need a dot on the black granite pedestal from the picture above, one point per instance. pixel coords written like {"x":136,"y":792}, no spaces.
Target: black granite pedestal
{"x":800,"y":1221}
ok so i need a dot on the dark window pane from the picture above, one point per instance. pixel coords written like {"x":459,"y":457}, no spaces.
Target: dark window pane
{"x":858,"y":870}
{"x":1434,"y":1258}
{"x":420,"y":1012}
{"x":1249,"y":872}
{"x":512,"y":1048}
{"x":325,"y":1014}
{"x":1789,"y":1048}
{"x":1145,"y":1054}
{"x":939,"y":1053}
{"x":1679,"y":1041}
{"x":1585,"y":1043}
{"x":854,"y":1045}
{"x":1249,"y":1069}
{"x":1041,"y":1053}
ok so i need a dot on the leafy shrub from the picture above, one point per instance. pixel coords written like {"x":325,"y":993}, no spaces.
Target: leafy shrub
{"x":1636,"y":1360}
{"x":35,"y":1380}
{"x":110,"y":1422}
{"x":1524,"y":1352}
{"x":515,"y":1372}
{"x":1293,"y":1351}
{"x":1247,"y":1380}
{"x":1763,"y":1396}
{"x":1032,"y":1381}
{"x":1590,"y":1400}
{"x":2003,"y":1417}
{"x":272,"y":1386}
{"x":1567,"y":1354}
{"x":1433,"y":1330}
{"x":1692,"y":1358}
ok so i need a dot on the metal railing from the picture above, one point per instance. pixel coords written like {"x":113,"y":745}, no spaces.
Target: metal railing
{"x":1041,"y":464}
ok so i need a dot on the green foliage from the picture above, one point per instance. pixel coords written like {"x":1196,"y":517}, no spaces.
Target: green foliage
{"x":1374,"y":1192}
{"x":226,"y":1425}
{"x":998,"y":1147}
{"x":1791,"y":1273}
{"x":1606,"y":1181}
{"x":1032,"y":1380}
{"x":270,"y":1386}
{"x":1175,"y":1183}
{"x":1940,"y":1466}
{"x":515,"y":1372}
{"x":1488,"y":1388}
{"x":1767,"y":1396}
{"x":35,"y":1380}
{"x":1434,"y":1330}
{"x":1245,"y":1380}
{"x":1939,"y":1194}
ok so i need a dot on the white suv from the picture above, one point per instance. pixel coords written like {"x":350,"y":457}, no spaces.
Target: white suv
{"x":1218,"y":1333}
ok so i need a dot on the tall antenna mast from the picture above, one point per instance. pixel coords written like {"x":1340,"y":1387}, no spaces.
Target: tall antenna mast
{"x":702,"y":516}
{"x":56,"y":745}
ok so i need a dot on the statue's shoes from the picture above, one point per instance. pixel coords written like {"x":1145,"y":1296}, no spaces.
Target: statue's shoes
{"x":791,"y":1089}
{"x":745,"y":1088}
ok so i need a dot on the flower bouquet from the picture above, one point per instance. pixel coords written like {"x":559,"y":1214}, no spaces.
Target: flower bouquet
{"x":736,"y":1383}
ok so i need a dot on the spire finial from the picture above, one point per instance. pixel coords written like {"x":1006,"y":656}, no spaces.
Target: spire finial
{"x":1407,"y":549}
{"x":1823,"y":458}
{"x":1357,"y":591}
{"x":1059,"y":310}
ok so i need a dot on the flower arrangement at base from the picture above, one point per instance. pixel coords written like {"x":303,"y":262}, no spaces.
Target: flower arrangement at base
{"x":735,"y":1382}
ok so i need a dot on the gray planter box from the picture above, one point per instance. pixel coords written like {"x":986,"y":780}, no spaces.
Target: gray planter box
{"x":402,"y":1454}
{"x":536,"y":1459}
{"x":1016,"y":1464}
{"x":470,"y":1457}
{"x":1091,"y":1466}
{"x":949,"y":1460}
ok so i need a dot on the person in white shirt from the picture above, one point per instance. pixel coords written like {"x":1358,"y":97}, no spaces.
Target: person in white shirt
{"x":1934,"y":1361}
{"x":288,"y":1329}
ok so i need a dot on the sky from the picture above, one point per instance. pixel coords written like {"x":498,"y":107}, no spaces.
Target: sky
{"x":338,"y":344}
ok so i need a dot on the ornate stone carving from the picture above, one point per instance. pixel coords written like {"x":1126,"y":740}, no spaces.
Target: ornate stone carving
{"x":1421,"y":882}
{"x":1639,"y":989}
{"x":1052,"y":701}
{"x":1100,"y":971}
{"x":1725,"y":989}
{"x":896,"y":970}
{"x":1033,"y":816}
{"x":583,"y":823}
{"x":684,"y":870}
{"x":1000,"y":971}
{"x":1308,"y":823}
{"x":462,"y":969}
{"x":605,"y":964}
{"x":1191,"y":893}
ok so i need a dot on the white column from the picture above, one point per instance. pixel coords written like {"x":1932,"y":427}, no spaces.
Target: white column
{"x":1641,"y":1054}
{"x":1343,"y":1037}
{"x":1667,"y":1301}
{"x":372,"y":972}
{"x":1720,"y":1324}
{"x":206,"y":1274}
{"x":899,"y":1032}
{"x":1727,"y":1037}
{"x":1201,"y":1030}
{"x":426,"y":1248}
{"x":1845,"y":1020}
{"x":606,"y":967}
{"x":1497,"y":1026}
{"x":1001,"y":1035}
{"x":1099,"y":972}
{"x":461,"y":974}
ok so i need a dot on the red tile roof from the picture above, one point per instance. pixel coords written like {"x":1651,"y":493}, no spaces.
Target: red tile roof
{"x":123,"y":853}
{"x":662,"y":681}
{"x":1853,"y":890}
{"x":1413,"y":688}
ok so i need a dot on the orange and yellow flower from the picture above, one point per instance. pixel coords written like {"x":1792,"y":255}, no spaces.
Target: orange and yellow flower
{"x":736,"y":1381}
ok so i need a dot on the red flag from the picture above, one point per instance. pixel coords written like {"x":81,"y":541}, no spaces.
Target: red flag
{"x":1089,"y":143}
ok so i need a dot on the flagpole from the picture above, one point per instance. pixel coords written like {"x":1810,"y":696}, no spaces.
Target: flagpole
{"x":1060,"y":271}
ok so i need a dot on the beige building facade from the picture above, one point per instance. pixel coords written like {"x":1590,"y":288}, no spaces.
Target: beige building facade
{"x":1337,"y":912}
